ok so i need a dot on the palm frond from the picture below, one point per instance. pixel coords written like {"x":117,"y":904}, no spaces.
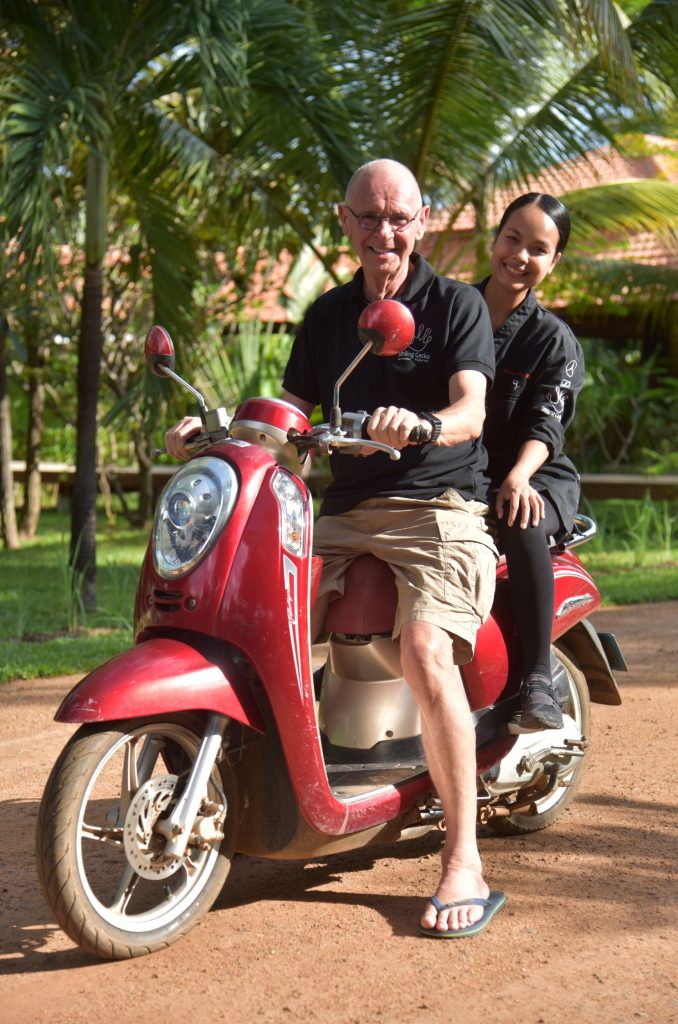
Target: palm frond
{"x":622,"y":208}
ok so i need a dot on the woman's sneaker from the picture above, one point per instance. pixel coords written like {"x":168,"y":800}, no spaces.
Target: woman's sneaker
{"x":539,"y":706}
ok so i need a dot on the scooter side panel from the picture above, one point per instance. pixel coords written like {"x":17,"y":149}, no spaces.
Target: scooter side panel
{"x":576,"y":595}
{"x":495,"y":671}
{"x":161,"y":676}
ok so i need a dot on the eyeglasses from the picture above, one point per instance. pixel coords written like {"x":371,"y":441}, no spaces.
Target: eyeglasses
{"x":371,"y":221}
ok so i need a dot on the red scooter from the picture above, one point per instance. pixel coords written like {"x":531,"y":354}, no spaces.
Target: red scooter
{"x":208,"y":738}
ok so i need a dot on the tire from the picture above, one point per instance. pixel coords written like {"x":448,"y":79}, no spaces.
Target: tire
{"x":100,"y":860}
{"x":552,"y":806}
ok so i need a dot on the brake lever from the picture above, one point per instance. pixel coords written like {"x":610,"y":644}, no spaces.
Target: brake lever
{"x":323,"y":438}
{"x":335,"y":441}
{"x":196,"y":442}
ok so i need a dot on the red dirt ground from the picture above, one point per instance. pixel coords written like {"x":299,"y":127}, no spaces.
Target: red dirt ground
{"x":589,"y":933}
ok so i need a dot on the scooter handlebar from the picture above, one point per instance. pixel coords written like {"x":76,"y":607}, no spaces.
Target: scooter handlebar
{"x":421,"y":434}
{"x":195,"y":442}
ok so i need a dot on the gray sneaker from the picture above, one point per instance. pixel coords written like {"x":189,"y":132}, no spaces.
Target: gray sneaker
{"x":539,"y":707}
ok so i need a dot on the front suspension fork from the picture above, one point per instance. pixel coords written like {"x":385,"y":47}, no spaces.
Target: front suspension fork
{"x":177,"y":827}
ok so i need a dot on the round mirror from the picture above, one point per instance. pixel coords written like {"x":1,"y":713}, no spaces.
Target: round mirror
{"x":387,"y":325}
{"x":158,"y":351}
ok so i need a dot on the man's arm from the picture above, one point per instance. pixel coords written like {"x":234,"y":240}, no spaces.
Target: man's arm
{"x":301,"y":404}
{"x":462,"y":420}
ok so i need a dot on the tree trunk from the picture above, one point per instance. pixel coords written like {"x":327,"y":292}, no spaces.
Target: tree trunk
{"x":83,"y":512}
{"x":30,"y":513}
{"x":10,"y":534}
{"x":146,"y":497}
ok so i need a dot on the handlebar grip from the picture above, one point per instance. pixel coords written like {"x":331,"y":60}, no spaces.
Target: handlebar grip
{"x":421,"y":434}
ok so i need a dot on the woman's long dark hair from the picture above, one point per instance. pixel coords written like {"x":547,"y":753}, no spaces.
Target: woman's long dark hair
{"x":551,"y":206}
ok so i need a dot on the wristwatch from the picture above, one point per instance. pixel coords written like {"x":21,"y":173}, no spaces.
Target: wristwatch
{"x":436,"y":425}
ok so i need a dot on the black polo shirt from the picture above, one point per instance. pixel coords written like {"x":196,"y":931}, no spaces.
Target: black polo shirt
{"x":452,"y":333}
{"x":540,"y":372}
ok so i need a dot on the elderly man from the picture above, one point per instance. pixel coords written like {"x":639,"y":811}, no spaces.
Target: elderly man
{"x":423,"y":515}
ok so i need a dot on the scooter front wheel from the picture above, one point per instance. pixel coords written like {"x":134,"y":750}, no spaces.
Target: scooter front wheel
{"x":100,"y":854}
{"x":548,"y":808}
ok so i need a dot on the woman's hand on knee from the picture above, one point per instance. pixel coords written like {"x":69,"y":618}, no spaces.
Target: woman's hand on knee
{"x":517,"y":501}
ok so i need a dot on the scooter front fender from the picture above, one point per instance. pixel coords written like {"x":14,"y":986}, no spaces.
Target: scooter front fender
{"x":160,"y":676}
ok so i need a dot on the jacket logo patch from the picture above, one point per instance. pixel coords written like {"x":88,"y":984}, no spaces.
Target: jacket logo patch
{"x":571,"y":367}
{"x":555,"y":403}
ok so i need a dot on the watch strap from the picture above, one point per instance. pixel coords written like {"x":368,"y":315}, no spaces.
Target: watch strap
{"x":436,"y":425}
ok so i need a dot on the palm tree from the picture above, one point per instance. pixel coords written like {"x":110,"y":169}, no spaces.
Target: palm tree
{"x":8,"y":527}
{"x":101,"y":97}
{"x":477,"y":98}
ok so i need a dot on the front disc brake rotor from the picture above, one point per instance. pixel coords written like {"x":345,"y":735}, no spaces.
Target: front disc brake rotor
{"x":145,"y":848}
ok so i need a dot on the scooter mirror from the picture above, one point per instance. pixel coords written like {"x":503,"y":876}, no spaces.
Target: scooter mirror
{"x":386,"y":325}
{"x":159,"y":351}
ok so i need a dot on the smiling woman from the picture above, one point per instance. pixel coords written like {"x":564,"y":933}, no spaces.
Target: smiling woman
{"x":539,"y":371}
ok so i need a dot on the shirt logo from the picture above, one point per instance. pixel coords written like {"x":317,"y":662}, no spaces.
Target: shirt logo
{"x":417,"y":349}
{"x":571,"y":367}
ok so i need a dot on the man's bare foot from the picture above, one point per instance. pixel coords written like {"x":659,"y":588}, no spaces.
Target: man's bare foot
{"x":459,"y":881}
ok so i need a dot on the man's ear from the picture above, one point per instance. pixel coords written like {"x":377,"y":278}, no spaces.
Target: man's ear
{"x":423,"y":221}
{"x":342,"y":214}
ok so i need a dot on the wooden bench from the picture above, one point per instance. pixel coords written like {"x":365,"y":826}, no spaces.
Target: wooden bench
{"x":629,"y":485}
{"x":63,"y":474}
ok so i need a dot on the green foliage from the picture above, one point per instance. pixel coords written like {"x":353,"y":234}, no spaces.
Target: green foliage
{"x":621,"y":581}
{"x":247,"y":360}
{"x":625,"y":413}
{"x":38,"y":635}
{"x":634,"y":527}
{"x":72,"y":581}
{"x":633,"y":557}
{"x":231,"y":129}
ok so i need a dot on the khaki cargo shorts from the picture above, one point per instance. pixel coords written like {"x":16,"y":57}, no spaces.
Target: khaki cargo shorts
{"x":440,"y":551}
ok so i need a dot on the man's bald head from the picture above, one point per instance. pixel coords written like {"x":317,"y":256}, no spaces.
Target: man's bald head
{"x":389,"y":170}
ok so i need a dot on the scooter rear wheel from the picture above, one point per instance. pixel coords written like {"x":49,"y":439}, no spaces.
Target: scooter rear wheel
{"x":100,"y":858}
{"x":548,"y":809}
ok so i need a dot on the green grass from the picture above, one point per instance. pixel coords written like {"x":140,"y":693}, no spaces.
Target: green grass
{"x":633,"y":559}
{"x":36,"y":608}
{"x":621,"y":581}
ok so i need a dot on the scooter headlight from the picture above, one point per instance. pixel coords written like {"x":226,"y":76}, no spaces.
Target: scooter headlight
{"x":192,"y":511}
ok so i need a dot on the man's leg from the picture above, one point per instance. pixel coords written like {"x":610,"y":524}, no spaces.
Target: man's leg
{"x":449,"y":742}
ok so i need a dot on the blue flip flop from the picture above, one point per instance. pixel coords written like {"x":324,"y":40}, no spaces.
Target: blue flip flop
{"x":494,"y":902}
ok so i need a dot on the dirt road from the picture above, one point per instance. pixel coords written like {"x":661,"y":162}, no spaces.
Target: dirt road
{"x":589,"y":933}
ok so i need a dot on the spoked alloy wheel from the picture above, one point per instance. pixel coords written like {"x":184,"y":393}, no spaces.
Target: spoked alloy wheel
{"x":101,"y":857}
{"x":549,"y":808}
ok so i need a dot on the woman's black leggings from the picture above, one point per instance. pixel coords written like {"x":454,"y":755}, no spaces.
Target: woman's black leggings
{"x":531,"y":584}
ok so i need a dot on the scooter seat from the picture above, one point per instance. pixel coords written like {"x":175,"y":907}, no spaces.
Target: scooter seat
{"x":369,"y":601}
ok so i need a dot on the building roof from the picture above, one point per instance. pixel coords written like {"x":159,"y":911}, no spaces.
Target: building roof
{"x":604,"y":166}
